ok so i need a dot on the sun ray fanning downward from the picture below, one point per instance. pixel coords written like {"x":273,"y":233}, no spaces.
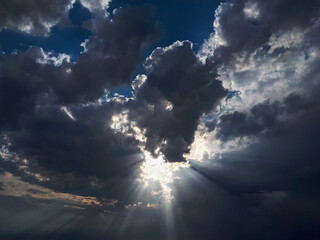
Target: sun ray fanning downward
{"x":156,"y":169}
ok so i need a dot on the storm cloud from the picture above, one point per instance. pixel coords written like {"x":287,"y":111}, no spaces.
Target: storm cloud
{"x":36,"y":86}
{"x":178,"y":90}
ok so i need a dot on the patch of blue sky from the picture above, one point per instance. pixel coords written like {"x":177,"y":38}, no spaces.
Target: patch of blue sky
{"x":62,"y":39}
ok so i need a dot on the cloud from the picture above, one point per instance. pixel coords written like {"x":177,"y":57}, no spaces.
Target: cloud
{"x":248,"y":34}
{"x":269,"y":62}
{"x":20,"y":86}
{"x":39,"y":16}
{"x":14,"y":187}
{"x":96,"y":5}
{"x":112,"y":54}
{"x":74,"y":145}
{"x":35,"y":17}
{"x":244,"y":113}
{"x":260,"y":153}
{"x":177,"y":91}
{"x":38,"y":87}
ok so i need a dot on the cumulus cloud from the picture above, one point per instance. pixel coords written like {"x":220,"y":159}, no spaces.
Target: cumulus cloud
{"x":35,"y":17}
{"x":269,"y":62}
{"x":169,"y":104}
{"x":112,"y":56}
{"x":39,"y":16}
{"x":112,"y":53}
{"x":248,"y":34}
{"x":261,"y":148}
{"x":49,"y":101}
{"x":96,"y":5}
{"x":19,"y":86}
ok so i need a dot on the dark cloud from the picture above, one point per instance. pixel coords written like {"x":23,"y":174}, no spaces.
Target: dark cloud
{"x":19,"y":86}
{"x":112,"y":54}
{"x":81,"y":155}
{"x":237,"y":125}
{"x":31,"y":16}
{"x":87,"y":146}
{"x":248,"y":25}
{"x":264,"y":117}
{"x":178,"y":90}
{"x":267,"y":189}
{"x":261,"y":117}
{"x":72,"y":151}
{"x":34,"y":83}
{"x":287,"y":14}
{"x":296,"y":103}
{"x":271,"y":184}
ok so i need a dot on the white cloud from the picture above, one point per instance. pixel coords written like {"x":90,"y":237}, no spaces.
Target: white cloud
{"x":251,"y":10}
{"x":272,"y":71}
{"x":96,"y":5}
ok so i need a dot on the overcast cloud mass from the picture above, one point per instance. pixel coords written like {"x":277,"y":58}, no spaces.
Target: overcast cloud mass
{"x":212,"y":135}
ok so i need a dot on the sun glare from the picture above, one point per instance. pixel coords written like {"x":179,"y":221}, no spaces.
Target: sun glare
{"x":154,"y":170}
{"x":159,"y":171}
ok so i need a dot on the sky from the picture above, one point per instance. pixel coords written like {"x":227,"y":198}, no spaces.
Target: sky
{"x":162,"y":120}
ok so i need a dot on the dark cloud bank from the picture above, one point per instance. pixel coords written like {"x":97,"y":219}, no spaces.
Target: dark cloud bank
{"x":54,"y":113}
